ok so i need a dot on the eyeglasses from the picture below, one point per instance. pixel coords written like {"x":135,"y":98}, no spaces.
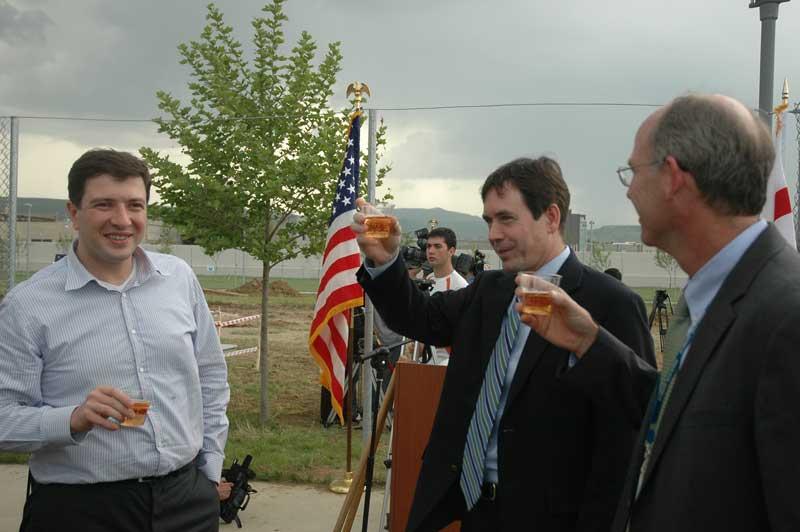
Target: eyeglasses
{"x":625,"y":173}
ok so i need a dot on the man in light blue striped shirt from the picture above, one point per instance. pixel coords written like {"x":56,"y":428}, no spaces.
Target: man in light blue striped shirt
{"x":85,"y":335}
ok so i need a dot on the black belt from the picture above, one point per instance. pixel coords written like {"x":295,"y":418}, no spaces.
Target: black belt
{"x":181,"y":470}
{"x":489,"y":491}
{"x":141,"y":480}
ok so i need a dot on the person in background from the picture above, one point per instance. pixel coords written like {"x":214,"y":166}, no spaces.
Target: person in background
{"x":615,"y":273}
{"x":440,"y":249}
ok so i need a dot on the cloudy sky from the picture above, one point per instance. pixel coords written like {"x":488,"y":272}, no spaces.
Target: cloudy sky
{"x":107,"y":58}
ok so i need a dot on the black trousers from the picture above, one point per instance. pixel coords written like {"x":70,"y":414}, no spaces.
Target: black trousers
{"x":184,"y":501}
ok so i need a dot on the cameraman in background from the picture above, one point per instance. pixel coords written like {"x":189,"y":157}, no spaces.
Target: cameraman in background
{"x":440,"y":249}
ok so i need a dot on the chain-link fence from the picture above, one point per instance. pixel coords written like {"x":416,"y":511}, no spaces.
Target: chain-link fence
{"x":796,"y":113}
{"x":8,"y":201}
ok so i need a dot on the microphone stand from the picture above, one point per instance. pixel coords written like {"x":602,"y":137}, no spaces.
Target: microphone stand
{"x":380,"y":362}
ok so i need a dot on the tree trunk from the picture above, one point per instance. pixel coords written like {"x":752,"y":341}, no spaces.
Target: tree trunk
{"x":264,"y":353}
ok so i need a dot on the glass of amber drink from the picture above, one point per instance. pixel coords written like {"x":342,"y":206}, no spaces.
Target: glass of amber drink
{"x":379,"y":220}
{"x":140,"y":408}
{"x":537,"y":297}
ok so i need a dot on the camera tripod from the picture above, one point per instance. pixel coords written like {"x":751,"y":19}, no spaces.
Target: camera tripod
{"x":382,"y":369}
{"x":660,"y":312}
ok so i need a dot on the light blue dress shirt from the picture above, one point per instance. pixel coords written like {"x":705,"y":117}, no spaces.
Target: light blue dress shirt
{"x":490,"y":467}
{"x":63,"y":334}
{"x":702,"y":287}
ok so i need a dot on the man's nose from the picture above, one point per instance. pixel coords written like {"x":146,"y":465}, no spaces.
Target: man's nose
{"x":494,"y":232}
{"x":121,"y":216}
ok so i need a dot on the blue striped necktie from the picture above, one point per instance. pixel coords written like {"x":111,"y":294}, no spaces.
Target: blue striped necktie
{"x":480,"y":428}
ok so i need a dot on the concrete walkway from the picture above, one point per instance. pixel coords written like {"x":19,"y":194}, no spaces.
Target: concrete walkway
{"x":275,"y":508}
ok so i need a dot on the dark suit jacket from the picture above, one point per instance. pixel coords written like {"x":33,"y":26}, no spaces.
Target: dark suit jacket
{"x":565,"y":437}
{"x":727,"y":455}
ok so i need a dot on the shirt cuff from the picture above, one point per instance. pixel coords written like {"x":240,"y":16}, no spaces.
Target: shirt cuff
{"x":211,"y":465}
{"x":375,"y":271}
{"x":55,"y":427}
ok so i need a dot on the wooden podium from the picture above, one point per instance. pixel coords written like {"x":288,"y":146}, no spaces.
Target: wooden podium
{"x":416,"y":398}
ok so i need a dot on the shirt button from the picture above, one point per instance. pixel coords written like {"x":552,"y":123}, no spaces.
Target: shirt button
{"x":141,"y":370}
{"x":133,"y":331}
{"x":124,"y":295}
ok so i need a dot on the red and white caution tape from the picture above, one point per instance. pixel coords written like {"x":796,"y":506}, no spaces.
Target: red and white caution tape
{"x":241,"y":352}
{"x":221,"y":324}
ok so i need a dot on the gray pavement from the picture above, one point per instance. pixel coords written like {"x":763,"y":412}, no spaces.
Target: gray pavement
{"x":275,"y":508}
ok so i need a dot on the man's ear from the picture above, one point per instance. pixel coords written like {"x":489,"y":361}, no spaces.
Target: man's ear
{"x":72,"y":210}
{"x":553,"y":214}
{"x":679,"y":179}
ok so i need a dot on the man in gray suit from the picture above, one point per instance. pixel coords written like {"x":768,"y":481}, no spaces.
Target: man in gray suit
{"x":718,"y":449}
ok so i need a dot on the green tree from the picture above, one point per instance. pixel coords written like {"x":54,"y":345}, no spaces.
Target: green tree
{"x":600,"y":259}
{"x":264,"y":148}
{"x":667,"y":262}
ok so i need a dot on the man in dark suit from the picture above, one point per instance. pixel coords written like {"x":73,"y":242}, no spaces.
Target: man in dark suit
{"x":524,"y":437}
{"x":719,"y":447}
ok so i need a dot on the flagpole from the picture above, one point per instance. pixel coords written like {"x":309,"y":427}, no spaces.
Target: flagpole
{"x":366,"y":375}
{"x":796,"y":113}
{"x":768,"y":13}
{"x":343,"y":486}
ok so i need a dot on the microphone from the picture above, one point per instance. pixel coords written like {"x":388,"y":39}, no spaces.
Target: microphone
{"x":382,"y":350}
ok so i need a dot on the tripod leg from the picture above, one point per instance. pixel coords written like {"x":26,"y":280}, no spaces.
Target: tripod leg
{"x":347,"y":513}
{"x":387,"y":491}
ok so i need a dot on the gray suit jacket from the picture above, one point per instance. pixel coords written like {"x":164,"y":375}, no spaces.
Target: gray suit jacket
{"x":727,"y":455}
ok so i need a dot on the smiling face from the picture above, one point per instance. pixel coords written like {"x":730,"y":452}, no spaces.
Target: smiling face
{"x":111,"y":222}
{"x":522,"y":242}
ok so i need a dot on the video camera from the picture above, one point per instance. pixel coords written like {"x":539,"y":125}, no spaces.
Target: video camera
{"x":470,"y":265}
{"x":417,"y":257}
{"x":238,"y":475}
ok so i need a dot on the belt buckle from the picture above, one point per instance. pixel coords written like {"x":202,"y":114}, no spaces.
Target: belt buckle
{"x":491,"y":491}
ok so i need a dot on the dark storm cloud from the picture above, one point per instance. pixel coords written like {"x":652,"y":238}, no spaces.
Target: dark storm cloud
{"x":100,"y":58}
{"x":22,"y":26}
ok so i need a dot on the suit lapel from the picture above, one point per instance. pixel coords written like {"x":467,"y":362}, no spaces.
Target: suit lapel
{"x":718,"y":318}
{"x":498,"y":297}
{"x":536,"y":345}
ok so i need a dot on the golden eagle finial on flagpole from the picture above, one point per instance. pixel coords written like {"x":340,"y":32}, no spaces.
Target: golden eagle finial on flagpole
{"x":358,"y":89}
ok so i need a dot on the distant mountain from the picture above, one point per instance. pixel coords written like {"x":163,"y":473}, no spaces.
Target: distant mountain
{"x":617,"y":233}
{"x":466,"y":226}
{"x":48,"y":208}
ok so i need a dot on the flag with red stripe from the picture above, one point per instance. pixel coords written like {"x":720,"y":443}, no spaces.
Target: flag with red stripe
{"x":778,"y":207}
{"x":338,"y":291}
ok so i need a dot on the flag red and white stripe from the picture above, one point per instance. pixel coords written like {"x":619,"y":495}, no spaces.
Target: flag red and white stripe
{"x":338,"y":292}
{"x":778,"y":207}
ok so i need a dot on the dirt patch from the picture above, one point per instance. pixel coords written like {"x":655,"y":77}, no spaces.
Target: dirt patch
{"x":280,"y":288}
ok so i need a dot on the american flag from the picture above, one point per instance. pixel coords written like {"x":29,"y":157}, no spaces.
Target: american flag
{"x":338,"y":289}
{"x":778,"y":207}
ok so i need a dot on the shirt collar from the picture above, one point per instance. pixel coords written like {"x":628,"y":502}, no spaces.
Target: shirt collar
{"x":78,"y":276}
{"x":555,"y":263}
{"x":706,"y":282}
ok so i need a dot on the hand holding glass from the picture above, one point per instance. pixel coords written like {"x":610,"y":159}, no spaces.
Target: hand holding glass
{"x":537,"y":298}
{"x":140,"y":408}
{"x":378,"y":220}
